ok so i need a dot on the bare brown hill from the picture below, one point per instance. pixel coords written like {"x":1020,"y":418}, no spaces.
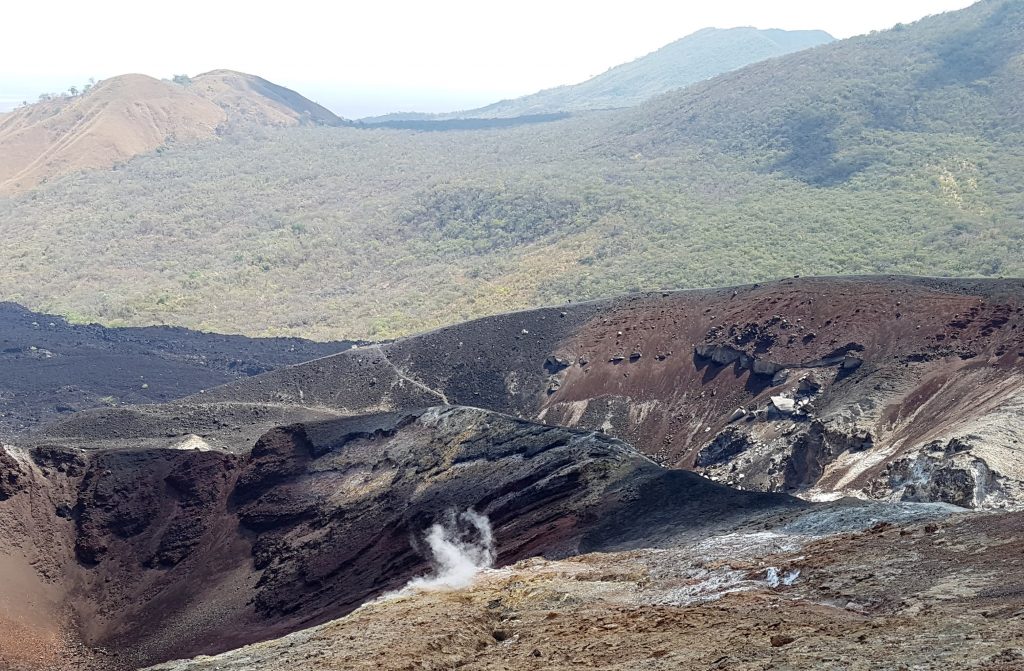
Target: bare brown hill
{"x":132,"y":114}
{"x":246,"y":97}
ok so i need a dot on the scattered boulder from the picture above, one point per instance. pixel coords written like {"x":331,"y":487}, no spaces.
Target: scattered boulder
{"x":779,"y":640}
{"x":555,"y":364}
{"x":780,"y":377}
{"x":809,"y":385}
{"x":767,"y":368}
{"x":851,"y":362}
{"x":784,"y":404}
{"x":723,"y":355}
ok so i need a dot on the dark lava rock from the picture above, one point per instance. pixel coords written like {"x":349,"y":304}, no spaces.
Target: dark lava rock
{"x":554,"y":364}
{"x":89,"y":366}
{"x":725,"y":446}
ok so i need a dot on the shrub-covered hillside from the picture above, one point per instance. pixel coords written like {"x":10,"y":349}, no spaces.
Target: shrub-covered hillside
{"x":898,"y":152}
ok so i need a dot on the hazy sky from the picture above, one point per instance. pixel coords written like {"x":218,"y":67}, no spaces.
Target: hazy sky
{"x":374,"y":57}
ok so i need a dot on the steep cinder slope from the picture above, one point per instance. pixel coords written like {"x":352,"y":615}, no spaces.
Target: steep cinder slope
{"x":886,"y":387}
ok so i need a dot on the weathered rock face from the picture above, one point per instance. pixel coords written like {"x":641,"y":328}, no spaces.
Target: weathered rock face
{"x":726,"y":445}
{"x":942,"y":472}
{"x":12,"y":475}
{"x":158,"y":552}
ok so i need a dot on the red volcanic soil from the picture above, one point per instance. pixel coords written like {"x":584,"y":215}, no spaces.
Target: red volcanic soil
{"x":884,"y":325}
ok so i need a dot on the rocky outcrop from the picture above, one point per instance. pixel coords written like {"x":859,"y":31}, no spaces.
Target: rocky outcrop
{"x":941,"y":472}
{"x":12,"y":475}
{"x":725,"y":446}
{"x":750,"y":359}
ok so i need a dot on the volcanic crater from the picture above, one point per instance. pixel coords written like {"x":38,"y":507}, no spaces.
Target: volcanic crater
{"x":140,"y":534}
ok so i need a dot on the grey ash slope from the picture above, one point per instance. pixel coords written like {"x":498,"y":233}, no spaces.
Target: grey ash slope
{"x":49,"y":367}
{"x":702,"y":55}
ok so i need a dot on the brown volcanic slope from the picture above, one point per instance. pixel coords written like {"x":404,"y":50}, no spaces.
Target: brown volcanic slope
{"x":904,"y":387}
{"x":250,"y":98}
{"x":133,"y":114}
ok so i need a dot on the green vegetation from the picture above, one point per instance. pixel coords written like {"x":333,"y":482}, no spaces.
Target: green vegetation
{"x":899,"y":152}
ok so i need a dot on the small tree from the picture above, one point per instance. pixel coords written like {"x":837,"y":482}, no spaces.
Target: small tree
{"x":73,"y":91}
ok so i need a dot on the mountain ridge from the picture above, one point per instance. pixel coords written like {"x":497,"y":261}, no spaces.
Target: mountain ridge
{"x":706,"y":53}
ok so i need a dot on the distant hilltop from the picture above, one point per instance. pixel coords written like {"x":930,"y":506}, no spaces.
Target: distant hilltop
{"x":132,"y":114}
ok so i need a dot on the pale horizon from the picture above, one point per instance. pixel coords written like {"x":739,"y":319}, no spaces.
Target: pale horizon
{"x":358,"y":61}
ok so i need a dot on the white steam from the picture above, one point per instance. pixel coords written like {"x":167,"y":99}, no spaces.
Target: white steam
{"x":459,"y":549}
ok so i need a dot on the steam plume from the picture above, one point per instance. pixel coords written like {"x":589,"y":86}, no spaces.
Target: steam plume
{"x":459,"y":548}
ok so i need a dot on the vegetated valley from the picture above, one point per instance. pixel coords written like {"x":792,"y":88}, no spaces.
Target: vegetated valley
{"x":897,"y":152}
